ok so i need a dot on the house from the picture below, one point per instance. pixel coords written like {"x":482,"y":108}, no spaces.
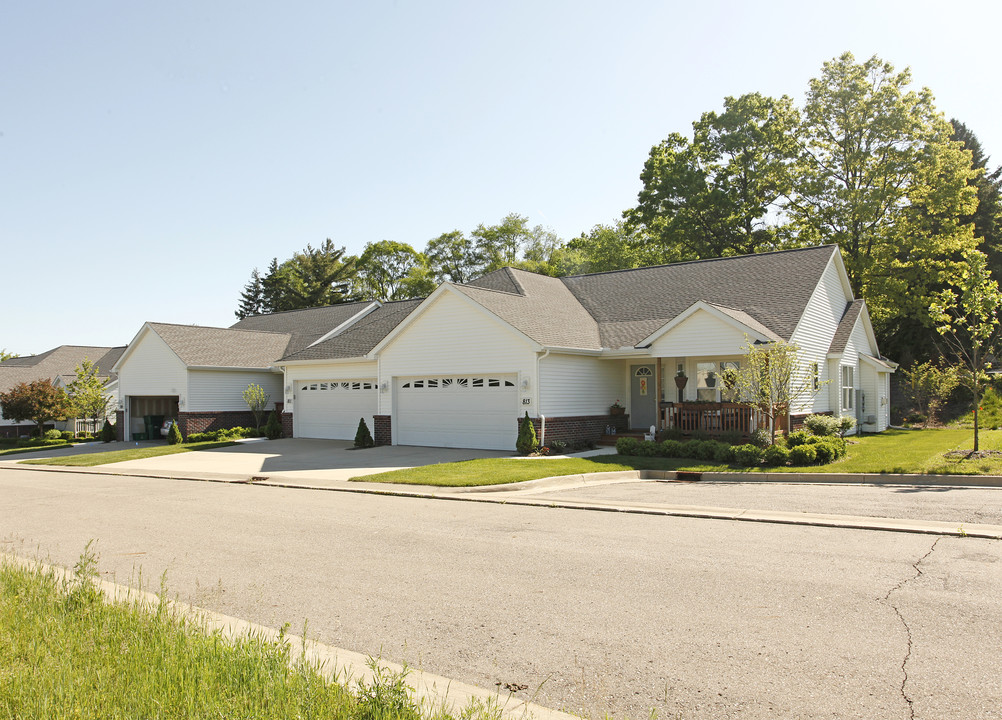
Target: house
{"x":59,"y":366}
{"x":197,"y":375}
{"x":462,"y":365}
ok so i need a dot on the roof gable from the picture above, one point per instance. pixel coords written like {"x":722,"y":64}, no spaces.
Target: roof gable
{"x":359,"y":338}
{"x":58,"y":362}
{"x":735,"y":319}
{"x":221,"y":347}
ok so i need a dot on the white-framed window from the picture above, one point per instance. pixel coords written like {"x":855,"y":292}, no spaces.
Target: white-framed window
{"x":707,"y":381}
{"x":815,"y":376}
{"x":848,"y":387}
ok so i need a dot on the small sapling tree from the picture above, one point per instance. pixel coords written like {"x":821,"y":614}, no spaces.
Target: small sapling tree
{"x":257,"y":400}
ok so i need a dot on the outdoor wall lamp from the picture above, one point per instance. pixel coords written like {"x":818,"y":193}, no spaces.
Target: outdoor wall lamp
{"x":385,"y":387}
{"x":525,"y":383}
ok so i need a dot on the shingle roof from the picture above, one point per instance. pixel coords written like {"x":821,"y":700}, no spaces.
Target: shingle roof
{"x":545,"y":310}
{"x":502,"y":280}
{"x":60,"y":361}
{"x":772,"y":288}
{"x":360,"y":337}
{"x":305,"y":326}
{"x":844,"y":330}
{"x":222,"y":347}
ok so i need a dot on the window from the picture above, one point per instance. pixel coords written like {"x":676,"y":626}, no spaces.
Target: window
{"x":707,"y":378}
{"x":815,"y":377}
{"x":848,"y":387}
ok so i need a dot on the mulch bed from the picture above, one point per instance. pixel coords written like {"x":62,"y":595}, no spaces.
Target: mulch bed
{"x":971,"y":455}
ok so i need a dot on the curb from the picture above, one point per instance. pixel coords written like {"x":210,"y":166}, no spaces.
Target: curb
{"x":345,"y":666}
{"x":512,"y":494}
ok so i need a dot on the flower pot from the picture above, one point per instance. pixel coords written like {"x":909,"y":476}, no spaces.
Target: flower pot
{"x":681,"y":381}
{"x":617,"y":411}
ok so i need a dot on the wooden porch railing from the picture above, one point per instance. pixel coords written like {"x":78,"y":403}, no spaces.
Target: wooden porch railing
{"x":712,"y":418}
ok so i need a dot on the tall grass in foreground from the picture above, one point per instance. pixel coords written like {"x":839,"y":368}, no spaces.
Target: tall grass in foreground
{"x":66,"y":652}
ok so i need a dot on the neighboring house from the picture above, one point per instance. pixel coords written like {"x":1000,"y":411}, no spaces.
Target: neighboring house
{"x":197,"y":375}
{"x":59,"y":366}
{"x":459,"y":368}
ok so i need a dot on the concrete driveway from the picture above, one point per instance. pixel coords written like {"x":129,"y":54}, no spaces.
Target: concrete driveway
{"x":316,"y":461}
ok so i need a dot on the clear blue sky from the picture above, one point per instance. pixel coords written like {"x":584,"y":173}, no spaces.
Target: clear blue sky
{"x":153,"y":154}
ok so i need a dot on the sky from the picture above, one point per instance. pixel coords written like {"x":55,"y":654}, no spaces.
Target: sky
{"x":153,"y":154}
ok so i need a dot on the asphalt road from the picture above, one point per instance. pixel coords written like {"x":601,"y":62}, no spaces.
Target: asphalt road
{"x":596,"y":612}
{"x":972,"y":505}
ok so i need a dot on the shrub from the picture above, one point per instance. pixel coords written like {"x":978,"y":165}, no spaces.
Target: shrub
{"x":363,"y":438}
{"x":107,"y":432}
{"x":558,"y":447}
{"x":731,"y":437}
{"x":671,"y":449}
{"x":627,"y":446}
{"x":273,"y":429}
{"x":692,"y":449}
{"x":707,"y":450}
{"x":761,"y":438}
{"x":66,"y":435}
{"x":669,"y":434}
{"x":845,"y":424}
{"x":797,"y":438}
{"x":822,"y":425}
{"x":803,"y":455}
{"x":526,"y":442}
{"x":53,"y":435}
{"x":776,"y":455}
{"x":648,"y":448}
{"x":700,"y":435}
{"x":747,"y":455}
{"x":724,"y":453}
{"x":174,"y":435}
{"x":828,"y":449}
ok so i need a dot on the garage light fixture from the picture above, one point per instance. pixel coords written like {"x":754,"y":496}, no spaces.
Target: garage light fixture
{"x":385,"y":387}
{"x":525,"y":383}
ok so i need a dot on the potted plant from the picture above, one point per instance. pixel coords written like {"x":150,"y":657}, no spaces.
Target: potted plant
{"x":680,"y":379}
{"x":711,"y":379}
{"x":617,"y":409}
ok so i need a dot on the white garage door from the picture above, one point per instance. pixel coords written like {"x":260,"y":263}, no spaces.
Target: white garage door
{"x":475,"y":411}
{"x":332,"y":408}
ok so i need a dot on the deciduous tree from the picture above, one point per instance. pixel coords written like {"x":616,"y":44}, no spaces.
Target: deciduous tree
{"x":967,"y":318}
{"x":87,"y":393}
{"x":257,"y":400}
{"x":389,"y":270}
{"x":713,"y":196}
{"x":772,"y":379}
{"x":4,"y":355}
{"x":38,"y":401}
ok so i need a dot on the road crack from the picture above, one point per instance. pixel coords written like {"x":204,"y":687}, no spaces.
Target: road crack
{"x":908,"y":631}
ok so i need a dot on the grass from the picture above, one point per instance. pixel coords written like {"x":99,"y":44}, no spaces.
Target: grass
{"x":69,"y":653}
{"x":9,"y":449}
{"x":498,"y":471}
{"x":136,"y":453}
{"x":893,"y":451}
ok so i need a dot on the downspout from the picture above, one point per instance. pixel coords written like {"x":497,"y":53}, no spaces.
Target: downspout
{"x":542,"y":418}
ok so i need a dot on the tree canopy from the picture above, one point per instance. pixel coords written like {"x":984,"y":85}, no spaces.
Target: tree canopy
{"x":87,"y":394}
{"x":38,"y":401}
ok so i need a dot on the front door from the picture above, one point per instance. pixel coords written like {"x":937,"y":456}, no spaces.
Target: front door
{"x":643,"y":397}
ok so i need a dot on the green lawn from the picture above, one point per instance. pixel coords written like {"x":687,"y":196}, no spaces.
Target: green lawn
{"x":894,"y":451}
{"x":114,"y":456}
{"x":69,"y":653}
{"x":9,"y":449}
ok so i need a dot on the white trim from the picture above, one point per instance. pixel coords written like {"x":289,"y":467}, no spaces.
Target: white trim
{"x":702,"y":305}
{"x":429,"y":301}
{"x":228,"y":368}
{"x":371,"y":307}
{"x":887,"y":366}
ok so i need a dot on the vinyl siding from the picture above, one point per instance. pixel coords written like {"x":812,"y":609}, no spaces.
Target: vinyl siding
{"x":329,"y":371}
{"x":453,"y":337}
{"x":222,"y":390}
{"x":572,"y":385}
{"x":700,"y":334}
{"x":152,"y":368}
{"x":858,"y":343}
{"x":814,"y":333}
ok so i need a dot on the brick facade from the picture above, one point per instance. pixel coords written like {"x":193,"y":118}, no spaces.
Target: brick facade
{"x":580,"y":428}
{"x":199,"y":422}
{"x":382,"y":431}
{"x":120,"y":425}
{"x":287,"y":424}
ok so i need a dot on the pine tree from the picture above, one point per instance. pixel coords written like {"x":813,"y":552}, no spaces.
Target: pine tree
{"x":527,"y":441}
{"x":363,"y":438}
{"x":273,"y":429}
{"x":174,"y":436}
{"x":107,"y":432}
{"x":252,"y":298}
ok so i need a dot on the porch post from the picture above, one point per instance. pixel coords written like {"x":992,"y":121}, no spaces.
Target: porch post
{"x":657,"y":396}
